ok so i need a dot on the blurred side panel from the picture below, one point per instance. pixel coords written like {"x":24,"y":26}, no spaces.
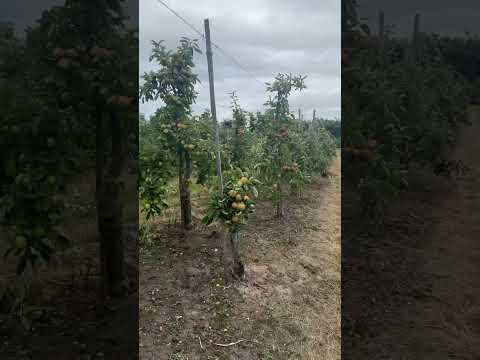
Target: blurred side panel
{"x":68,"y":179}
{"x":410,"y":180}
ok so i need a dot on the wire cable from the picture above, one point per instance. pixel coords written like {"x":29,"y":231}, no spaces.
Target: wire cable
{"x":182,"y":19}
{"x":237,"y":63}
{"x":214,"y":45}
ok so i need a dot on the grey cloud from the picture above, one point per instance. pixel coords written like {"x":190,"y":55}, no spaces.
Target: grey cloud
{"x":440,"y":16}
{"x":24,"y":13}
{"x":267,"y":37}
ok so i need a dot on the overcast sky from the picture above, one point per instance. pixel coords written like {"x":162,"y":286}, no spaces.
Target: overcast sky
{"x":266,"y":37}
{"x":445,"y":17}
{"x":23,"y":13}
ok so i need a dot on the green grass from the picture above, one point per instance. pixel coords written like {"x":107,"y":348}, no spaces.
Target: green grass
{"x":199,"y":196}
{"x":198,"y":191}
{"x":177,"y":356}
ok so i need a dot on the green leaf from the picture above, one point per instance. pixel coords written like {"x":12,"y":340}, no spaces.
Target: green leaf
{"x":207,"y":219}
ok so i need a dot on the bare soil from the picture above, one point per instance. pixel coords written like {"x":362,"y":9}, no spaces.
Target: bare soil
{"x":412,"y":291}
{"x":288,"y":307}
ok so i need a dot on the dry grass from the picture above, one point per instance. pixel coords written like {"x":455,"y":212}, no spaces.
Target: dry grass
{"x":288,"y":307}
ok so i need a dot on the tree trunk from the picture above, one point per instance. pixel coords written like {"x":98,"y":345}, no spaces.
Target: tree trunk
{"x":281,"y":183}
{"x":109,"y":214}
{"x":238,"y":267}
{"x":233,"y":265}
{"x":117,"y":256}
{"x":280,"y":212}
{"x":184,"y":174}
{"x":227,"y":253}
{"x":99,"y":174}
{"x":280,"y":206}
{"x":113,"y":256}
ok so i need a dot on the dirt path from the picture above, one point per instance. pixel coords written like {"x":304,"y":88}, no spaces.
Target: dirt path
{"x":451,"y":264}
{"x":425,"y":298}
{"x":287,"y":308}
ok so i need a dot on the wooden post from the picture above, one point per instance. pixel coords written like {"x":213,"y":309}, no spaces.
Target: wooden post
{"x":213,"y":107}
{"x":238,"y":267}
{"x":280,"y":208}
{"x":228,"y":250}
{"x":313,"y":118}
{"x":416,"y":38}
{"x":381,"y":30}
{"x":299,"y":114}
{"x":415,"y":108}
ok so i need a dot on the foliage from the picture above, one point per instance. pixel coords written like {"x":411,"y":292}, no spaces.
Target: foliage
{"x":278,"y":140}
{"x":334,"y":127}
{"x":239,"y":129}
{"x":204,"y":152}
{"x":146,"y":234}
{"x":237,"y":202}
{"x":156,"y":166}
{"x":397,"y":112}
{"x":51,"y":86}
{"x":174,"y":83}
{"x":249,"y":142}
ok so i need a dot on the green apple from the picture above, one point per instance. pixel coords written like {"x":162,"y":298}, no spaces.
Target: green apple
{"x":20,"y":242}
